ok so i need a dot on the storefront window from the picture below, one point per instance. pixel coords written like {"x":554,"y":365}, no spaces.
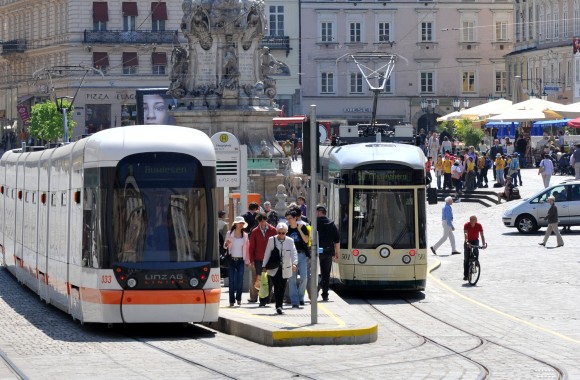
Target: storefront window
{"x":128,"y":114}
{"x":97,"y":117}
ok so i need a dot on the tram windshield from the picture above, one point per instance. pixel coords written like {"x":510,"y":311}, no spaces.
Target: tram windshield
{"x":383,"y":216}
{"x":158,"y":208}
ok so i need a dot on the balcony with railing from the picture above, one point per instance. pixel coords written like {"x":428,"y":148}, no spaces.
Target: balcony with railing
{"x":129,"y":37}
{"x":277,"y":43}
{"x":13,"y":46}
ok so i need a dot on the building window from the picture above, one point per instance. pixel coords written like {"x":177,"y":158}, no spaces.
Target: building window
{"x":501,"y":30}
{"x":354,"y":32}
{"x":158,"y":63}
{"x":500,"y":81}
{"x":468,"y":81}
{"x":130,"y":63}
{"x":530,"y":24}
{"x":388,"y":87}
{"x":384,"y":31}
{"x":356,"y":83}
{"x":101,"y":61}
{"x":576,"y":18}
{"x":426,"y":79}
{"x":426,"y":31}
{"x":158,"y":16}
{"x":569,"y":73}
{"x":468,"y":31}
{"x":276,"y":20}
{"x":100,"y":16}
{"x":548,"y":24}
{"x":327,"y":82}
{"x":129,"y":16}
{"x":326,"y":30}
{"x":565,"y":33}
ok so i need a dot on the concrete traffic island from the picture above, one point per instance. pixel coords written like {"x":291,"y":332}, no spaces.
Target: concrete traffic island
{"x":338,"y":323}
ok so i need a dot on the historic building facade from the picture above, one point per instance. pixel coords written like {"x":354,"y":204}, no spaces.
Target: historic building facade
{"x":545,"y":56}
{"x":130,"y":42}
{"x":450,"y":49}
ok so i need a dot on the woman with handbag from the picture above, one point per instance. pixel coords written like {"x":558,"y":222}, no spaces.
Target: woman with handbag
{"x":280,"y":261}
{"x":546,"y":169}
{"x":237,"y":244}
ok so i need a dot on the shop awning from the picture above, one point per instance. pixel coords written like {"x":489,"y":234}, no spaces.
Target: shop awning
{"x":283,"y":121}
{"x":129,"y":9}
{"x":551,"y":123}
{"x":498,"y":124}
{"x":100,"y":11}
{"x":158,"y":11}
{"x":130,"y":59}
{"x":159,"y":59}
{"x":25,"y":98}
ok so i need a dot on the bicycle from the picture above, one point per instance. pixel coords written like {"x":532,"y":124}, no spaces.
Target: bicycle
{"x":474,"y":266}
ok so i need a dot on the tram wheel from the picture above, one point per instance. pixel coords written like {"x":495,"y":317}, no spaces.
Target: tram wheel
{"x":474,"y":272}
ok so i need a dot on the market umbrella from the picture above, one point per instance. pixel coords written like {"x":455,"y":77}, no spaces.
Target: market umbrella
{"x":519,"y":115}
{"x":486,"y":109}
{"x":568,"y":110}
{"x":574,"y":123}
{"x":449,"y":116}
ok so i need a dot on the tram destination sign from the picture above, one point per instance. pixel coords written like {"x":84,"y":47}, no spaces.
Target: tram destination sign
{"x":227,"y":152}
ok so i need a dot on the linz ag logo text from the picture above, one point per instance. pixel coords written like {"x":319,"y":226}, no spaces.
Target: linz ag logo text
{"x":164,"y":279}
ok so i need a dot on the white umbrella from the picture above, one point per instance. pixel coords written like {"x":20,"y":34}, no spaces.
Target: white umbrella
{"x":518,"y":115}
{"x":486,"y":109}
{"x":450,"y":116}
{"x":568,"y":110}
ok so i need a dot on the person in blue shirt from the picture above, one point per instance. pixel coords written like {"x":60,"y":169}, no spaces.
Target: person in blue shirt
{"x":447,"y":221}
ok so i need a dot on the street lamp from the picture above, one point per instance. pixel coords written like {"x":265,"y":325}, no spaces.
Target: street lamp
{"x":465,"y":103}
{"x":544,"y":96}
{"x":489,"y":98}
{"x":532,"y":95}
{"x":64,"y":109}
{"x":456,"y":103}
{"x":426,"y":106}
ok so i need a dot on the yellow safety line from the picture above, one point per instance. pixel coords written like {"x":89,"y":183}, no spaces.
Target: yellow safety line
{"x":338,"y":321}
{"x":490,"y":308}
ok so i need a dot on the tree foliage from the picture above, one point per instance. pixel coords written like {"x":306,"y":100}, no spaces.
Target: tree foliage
{"x":46,"y":121}
{"x":464,"y":130}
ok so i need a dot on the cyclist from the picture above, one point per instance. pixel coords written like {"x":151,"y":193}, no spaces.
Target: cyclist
{"x":472,"y":230}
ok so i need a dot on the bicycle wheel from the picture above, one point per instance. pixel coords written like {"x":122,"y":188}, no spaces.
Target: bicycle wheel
{"x":474,"y":272}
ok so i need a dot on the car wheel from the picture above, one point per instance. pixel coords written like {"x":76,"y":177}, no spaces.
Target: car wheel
{"x":526,"y":224}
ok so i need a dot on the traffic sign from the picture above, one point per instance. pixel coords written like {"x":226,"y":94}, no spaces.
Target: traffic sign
{"x":227,"y":152}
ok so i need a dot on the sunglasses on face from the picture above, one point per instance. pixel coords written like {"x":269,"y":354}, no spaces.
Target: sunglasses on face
{"x":281,"y":233}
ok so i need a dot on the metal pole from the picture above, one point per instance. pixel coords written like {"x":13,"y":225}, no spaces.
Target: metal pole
{"x":243,"y":180}
{"x":314,"y":247}
{"x":65,"y":123}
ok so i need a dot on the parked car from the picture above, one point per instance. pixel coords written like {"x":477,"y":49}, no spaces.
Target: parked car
{"x":528,"y":215}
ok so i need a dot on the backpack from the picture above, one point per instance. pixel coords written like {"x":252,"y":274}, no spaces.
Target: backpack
{"x":515,"y":194}
{"x":487,"y":163}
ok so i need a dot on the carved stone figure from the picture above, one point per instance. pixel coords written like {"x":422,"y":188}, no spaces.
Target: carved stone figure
{"x":179,"y":68}
{"x":271,"y":66}
{"x":230,"y":71}
{"x":200,"y":27}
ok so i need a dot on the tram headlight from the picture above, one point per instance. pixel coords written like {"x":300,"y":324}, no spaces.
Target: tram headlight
{"x":406,"y":259}
{"x":384,"y":252}
{"x":131,"y":283}
{"x":362,"y":259}
{"x":193,"y":282}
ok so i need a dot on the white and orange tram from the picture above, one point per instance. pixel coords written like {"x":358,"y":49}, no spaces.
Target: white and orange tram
{"x":118,"y":227}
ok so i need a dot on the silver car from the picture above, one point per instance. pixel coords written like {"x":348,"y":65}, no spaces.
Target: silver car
{"x":528,"y":215}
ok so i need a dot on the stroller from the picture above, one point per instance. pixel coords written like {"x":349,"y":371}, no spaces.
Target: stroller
{"x":563,"y":166}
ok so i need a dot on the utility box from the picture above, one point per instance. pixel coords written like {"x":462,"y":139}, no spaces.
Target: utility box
{"x":404,"y":131}
{"x":348,"y":131}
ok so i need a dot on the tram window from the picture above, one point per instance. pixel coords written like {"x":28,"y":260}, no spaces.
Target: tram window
{"x":383,"y":217}
{"x":63,"y":199}
{"x":53,"y":199}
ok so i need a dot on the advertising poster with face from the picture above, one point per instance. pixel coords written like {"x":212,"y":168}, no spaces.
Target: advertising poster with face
{"x":154,"y":106}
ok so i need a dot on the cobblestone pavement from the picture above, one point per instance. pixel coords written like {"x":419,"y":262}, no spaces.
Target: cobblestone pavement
{"x":519,"y":322}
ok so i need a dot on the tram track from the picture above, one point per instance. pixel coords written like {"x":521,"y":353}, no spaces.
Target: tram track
{"x":469,"y":353}
{"x":231,"y":354}
{"x":18,"y":373}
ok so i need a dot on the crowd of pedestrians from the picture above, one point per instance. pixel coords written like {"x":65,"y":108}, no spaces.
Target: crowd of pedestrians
{"x":262,"y":241}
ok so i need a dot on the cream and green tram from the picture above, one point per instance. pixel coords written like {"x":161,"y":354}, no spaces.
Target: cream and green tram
{"x":375,"y":193}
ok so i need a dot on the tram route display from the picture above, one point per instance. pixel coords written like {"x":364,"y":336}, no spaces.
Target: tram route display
{"x":118,"y":227}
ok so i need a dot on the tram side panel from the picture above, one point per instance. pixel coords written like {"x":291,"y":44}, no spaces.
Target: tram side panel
{"x":3,"y":219}
{"x":57,"y":267}
{"x":43,"y":223}
{"x":10,"y":160}
{"x":30,"y":220}
{"x":19,"y":213}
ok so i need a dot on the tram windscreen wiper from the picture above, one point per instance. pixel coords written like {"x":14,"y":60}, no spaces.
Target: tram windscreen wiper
{"x":403,"y":232}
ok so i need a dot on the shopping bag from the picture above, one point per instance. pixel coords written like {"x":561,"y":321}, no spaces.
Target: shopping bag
{"x":264,"y":291}
{"x":258,"y":282}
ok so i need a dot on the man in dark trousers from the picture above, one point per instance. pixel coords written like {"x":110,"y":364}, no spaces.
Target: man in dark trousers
{"x":329,"y":241}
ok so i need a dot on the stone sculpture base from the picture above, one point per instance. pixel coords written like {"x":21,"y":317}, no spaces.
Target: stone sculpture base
{"x":250,"y":126}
